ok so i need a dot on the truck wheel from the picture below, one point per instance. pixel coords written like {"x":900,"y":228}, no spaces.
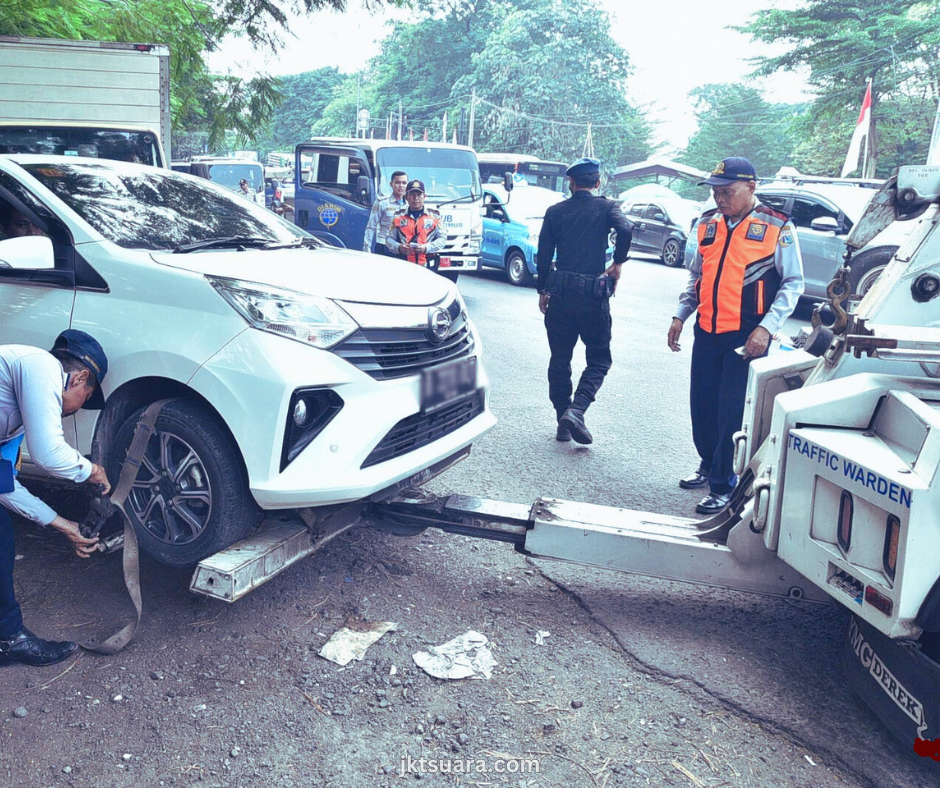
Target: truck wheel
{"x":191,"y":497}
{"x":867,"y":267}
{"x":517,"y":270}
{"x":672,"y":253}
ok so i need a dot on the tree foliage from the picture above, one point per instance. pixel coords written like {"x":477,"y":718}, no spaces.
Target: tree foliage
{"x":840,"y":44}
{"x":305,"y":97}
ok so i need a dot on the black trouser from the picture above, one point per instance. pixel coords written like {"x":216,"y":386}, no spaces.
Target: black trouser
{"x":11,"y":621}
{"x":569,"y":317}
{"x":717,"y":393}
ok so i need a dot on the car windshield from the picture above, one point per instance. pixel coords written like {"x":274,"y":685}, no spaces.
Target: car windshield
{"x":447,"y":174}
{"x":230,"y":174}
{"x":115,"y":144}
{"x":140,"y":208}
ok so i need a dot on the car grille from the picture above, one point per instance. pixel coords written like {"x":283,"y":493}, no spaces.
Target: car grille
{"x":421,"y":429}
{"x":386,"y":353}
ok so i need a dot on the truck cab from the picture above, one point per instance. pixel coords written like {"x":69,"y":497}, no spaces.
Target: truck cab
{"x":337,"y":181}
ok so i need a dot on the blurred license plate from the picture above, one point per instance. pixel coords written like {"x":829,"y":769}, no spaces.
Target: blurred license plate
{"x":445,"y":262}
{"x":443,"y":384}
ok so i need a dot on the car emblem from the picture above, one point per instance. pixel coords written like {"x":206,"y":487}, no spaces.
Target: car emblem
{"x":439,"y":323}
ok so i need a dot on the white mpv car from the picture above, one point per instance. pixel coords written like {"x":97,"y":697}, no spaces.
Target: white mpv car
{"x":302,"y":375}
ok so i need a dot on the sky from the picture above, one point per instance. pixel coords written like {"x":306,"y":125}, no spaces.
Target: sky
{"x":674,"y":46}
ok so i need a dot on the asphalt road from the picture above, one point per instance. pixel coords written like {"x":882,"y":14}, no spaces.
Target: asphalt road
{"x":773,"y":661}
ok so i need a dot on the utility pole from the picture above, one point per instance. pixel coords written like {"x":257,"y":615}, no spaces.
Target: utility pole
{"x":473,"y":110}
{"x":358,"y":100}
{"x":401,"y":119}
{"x":463,"y":125}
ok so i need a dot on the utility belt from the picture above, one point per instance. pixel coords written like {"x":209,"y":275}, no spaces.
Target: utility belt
{"x":563,"y":283}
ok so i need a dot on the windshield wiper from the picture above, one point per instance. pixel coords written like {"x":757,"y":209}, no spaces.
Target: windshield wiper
{"x":311,"y":243}
{"x":471,"y":197}
{"x":215,"y":243}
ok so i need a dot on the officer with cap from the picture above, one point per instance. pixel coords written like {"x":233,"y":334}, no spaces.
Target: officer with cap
{"x":38,"y":388}
{"x":744,"y":282}
{"x":416,"y":233}
{"x":574,"y":294}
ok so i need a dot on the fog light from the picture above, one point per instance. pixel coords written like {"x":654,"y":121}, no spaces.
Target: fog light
{"x":300,"y":413}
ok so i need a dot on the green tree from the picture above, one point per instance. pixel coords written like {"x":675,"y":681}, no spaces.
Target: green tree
{"x":305,"y":97}
{"x":737,"y":121}
{"x":841,"y":43}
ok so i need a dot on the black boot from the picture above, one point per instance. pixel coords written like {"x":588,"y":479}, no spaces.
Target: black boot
{"x":26,"y":648}
{"x":574,"y":421}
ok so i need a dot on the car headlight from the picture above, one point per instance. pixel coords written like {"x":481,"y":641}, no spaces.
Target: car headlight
{"x":310,"y":319}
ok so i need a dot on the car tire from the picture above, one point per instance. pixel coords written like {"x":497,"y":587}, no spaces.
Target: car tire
{"x":191,"y":497}
{"x":517,"y":269}
{"x":672,"y":253}
{"x":867,"y":267}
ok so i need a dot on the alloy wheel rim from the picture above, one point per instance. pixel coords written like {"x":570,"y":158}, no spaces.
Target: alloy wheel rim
{"x":172,"y":497}
{"x":671,"y":253}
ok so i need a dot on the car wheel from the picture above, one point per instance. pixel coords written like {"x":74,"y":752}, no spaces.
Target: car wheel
{"x":191,"y":496}
{"x":867,"y":267}
{"x":517,"y":270}
{"x":672,"y":253}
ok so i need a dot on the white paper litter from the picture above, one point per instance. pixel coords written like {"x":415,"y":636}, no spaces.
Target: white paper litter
{"x":540,"y":637}
{"x":352,"y":640}
{"x":463,"y":657}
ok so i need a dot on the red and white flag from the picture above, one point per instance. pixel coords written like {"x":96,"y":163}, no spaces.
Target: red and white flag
{"x":861,"y":132}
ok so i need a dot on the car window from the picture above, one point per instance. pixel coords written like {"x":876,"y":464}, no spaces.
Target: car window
{"x":652,"y":210}
{"x":140,"y":208}
{"x":637,"y":210}
{"x":805,"y":210}
{"x":776,"y":201}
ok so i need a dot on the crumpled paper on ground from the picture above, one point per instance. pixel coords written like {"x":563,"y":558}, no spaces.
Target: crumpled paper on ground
{"x":353,"y":639}
{"x":463,"y":657}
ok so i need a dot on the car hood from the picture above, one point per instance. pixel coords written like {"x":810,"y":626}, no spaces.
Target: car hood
{"x":340,"y":274}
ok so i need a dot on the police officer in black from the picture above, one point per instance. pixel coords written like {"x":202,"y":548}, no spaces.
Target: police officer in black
{"x":574,"y":294}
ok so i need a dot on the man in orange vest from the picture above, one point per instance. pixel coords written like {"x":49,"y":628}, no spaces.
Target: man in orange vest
{"x":744,"y":282}
{"x":416,"y":232}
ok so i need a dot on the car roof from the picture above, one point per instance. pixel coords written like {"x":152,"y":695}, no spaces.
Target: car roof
{"x":850,"y":196}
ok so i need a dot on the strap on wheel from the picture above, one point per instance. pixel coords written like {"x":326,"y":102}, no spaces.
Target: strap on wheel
{"x":144,"y":430}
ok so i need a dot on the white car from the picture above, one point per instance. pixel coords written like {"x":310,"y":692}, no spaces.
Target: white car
{"x":301,"y":375}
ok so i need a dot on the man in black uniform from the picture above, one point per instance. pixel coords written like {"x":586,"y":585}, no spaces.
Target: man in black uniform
{"x":574,"y":294}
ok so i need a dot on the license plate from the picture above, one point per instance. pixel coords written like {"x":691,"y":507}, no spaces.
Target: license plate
{"x":445,"y":262}
{"x":443,"y":384}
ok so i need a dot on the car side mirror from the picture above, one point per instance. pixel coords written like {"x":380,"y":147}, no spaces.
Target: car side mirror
{"x":364,"y":189}
{"x":29,"y":253}
{"x":825,"y":224}
{"x":659,"y":217}
{"x":507,"y":181}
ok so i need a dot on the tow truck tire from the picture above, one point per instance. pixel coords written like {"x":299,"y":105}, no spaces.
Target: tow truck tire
{"x":672,"y":253}
{"x":197,"y":501}
{"x":517,"y":270}
{"x":867,"y":267}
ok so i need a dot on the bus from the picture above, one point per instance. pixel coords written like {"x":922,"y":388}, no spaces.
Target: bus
{"x":524,"y":169}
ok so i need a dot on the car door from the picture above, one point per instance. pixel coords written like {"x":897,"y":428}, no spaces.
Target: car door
{"x":491,"y":250}
{"x":637,"y":217}
{"x":821,"y":250}
{"x":655,"y":230}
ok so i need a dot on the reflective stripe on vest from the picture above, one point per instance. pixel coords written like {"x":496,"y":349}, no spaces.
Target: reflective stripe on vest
{"x":415,"y":231}
{"x":739,"y":280}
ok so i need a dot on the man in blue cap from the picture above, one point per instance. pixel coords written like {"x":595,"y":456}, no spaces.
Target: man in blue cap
{"x":574,"y":293}
{"x":38,"y":388}
{"x":744,"y":282}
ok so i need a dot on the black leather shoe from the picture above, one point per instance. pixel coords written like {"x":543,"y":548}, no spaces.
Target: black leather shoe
{"x":696,"y":480}
{"x":26,"y":648}
{"x":713,"y":503}
{"x":562,"y":434}
{"x":574,"y":421}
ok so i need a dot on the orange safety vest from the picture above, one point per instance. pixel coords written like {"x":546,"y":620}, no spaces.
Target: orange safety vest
{"x":739,"y":280}
{"x":418,"y":231}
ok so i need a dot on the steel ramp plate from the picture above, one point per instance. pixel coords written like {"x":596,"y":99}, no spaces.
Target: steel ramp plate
{"x":656,"y":545}
{"x":230,"y":574}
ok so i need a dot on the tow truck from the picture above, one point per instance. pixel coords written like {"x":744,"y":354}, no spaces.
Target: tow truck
{"x":838,"y":457}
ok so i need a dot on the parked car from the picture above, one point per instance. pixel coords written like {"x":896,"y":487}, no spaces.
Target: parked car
{"x":823,"y":211}
{"x":661,"y":226}
{"x":511,"y":226}
{"x":300,"y":375}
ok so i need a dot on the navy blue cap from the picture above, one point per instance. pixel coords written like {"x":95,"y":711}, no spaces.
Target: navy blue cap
{"x":731,"y":170}
{"x":414,"y":186}
{"x":86,"y":349}
{"x":584,"y":167}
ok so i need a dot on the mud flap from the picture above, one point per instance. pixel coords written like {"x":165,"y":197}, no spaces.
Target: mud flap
{"x":896,"y":679}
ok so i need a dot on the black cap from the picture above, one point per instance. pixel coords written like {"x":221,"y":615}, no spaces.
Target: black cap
{"x":415,"y":186}
{"x":730,"y":170}
{"x":86,"y":349}
{"x":584,"y":166}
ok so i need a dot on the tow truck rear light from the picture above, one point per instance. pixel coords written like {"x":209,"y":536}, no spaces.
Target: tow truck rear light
{"x":878,"y":601}
{"x":844,"y":534}
{"x":892,"y":540}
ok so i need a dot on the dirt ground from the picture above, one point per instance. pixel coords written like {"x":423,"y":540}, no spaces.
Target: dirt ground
{"x":211,"y":694}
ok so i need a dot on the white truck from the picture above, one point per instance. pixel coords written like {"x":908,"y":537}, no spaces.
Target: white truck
{"x":85,"y":98}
